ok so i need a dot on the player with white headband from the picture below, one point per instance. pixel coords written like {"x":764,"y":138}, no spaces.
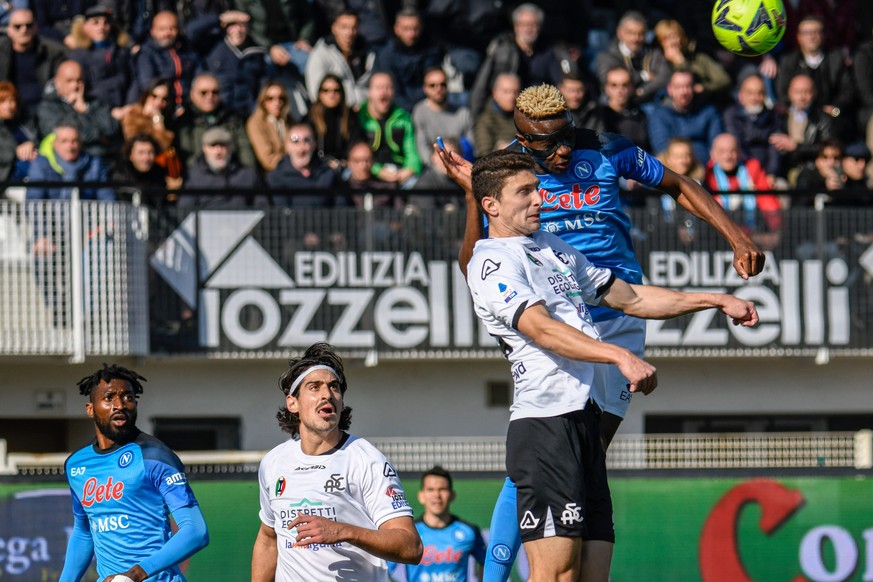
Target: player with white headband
{"x":332,"y":505}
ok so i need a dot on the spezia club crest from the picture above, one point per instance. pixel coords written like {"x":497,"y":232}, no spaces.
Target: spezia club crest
{"x":583,"y":170}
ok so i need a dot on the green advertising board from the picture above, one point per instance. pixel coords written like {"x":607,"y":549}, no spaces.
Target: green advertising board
{"x":668,"y":529}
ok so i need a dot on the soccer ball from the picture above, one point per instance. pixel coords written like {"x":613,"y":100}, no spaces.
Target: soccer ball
{"x":748,"y":27}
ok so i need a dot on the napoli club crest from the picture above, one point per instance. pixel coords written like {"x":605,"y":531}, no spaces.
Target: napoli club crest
{"x":583,"y":170}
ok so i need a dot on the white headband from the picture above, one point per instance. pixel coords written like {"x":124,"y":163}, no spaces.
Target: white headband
{"x":307,"y":372}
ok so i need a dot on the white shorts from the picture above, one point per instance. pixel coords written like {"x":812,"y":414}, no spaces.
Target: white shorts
{"x":610,"y":387}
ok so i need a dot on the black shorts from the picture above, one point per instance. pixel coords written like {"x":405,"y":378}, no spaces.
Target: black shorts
{"x":559,"y":468}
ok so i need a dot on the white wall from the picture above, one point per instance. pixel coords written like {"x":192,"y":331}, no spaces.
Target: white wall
{"x":438,"y":398}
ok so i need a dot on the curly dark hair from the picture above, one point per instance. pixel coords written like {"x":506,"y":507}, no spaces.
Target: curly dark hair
{"x":318,"y":354}
{"x":107,"y":374}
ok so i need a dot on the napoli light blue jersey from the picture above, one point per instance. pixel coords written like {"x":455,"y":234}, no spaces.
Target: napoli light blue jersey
{"x":447,"y":552}
{"x":127,"y":493}
{"x":582,"y":205}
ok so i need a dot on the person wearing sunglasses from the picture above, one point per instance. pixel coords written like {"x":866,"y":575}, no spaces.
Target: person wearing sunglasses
{"x":205,"y":110}
{"x":579,"y":170}
{"x":28,"y":60}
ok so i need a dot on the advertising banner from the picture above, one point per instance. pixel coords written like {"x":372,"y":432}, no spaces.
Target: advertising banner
{"x":811,"y":529}
{"x":255,"y":282}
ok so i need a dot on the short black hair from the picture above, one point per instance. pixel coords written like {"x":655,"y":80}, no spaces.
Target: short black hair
{"x":438,"y":471}
{"x":107,"y":374}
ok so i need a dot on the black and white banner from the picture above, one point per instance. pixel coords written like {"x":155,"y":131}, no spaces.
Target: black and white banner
{"x":238,"y":283}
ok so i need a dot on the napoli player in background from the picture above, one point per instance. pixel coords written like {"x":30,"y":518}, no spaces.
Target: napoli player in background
{"x":579,"y":180}
{"x":125,"y":485}
{"x":449,"y":541}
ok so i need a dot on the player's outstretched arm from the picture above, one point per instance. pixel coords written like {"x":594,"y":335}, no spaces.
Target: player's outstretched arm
{"x":651,"y":302}
{"x":396,"y":540}
{"x":564,"y":340}
{"x":748,"y":257}
{"x":461,"y":171}
{"x":265,"y":555}
{"x":80,"y":549}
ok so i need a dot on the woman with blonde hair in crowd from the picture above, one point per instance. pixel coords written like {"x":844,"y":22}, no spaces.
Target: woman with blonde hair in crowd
{"x":336,"y":125}
{"x":712,"y":82}
{"x":268,"y":124}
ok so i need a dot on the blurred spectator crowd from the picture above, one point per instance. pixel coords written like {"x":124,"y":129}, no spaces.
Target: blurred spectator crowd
{"x":278,"y":96}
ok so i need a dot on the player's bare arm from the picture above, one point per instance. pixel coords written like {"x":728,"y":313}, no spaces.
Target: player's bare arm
{"x":461,"y":171}
{"x":396,"y":540}
{"x":137,"y":574}
{"x":651,"y":302}
{"x":561,"y":339}
{"x":265,"y":555}
{"x":748,"y":257}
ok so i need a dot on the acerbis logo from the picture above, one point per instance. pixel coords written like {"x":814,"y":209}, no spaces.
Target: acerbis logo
{"x":310,"y":468}
{"x":501,"y":553}
{"x":528,"y":521}
{"x":489,"y":267}
{"x":388,"y":470}
{"x":583,"y":170}
{"x":125,"y":459}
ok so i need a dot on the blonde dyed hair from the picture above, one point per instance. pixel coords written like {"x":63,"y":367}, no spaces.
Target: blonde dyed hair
{"x":541,"y":102}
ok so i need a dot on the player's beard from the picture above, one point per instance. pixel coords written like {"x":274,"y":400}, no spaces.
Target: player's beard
{"x":121,"y":434}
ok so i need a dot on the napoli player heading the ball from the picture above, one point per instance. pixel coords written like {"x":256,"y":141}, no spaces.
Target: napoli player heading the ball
{"x":125,"y":485}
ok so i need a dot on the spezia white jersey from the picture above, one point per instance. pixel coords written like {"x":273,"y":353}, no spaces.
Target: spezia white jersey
{"x":354,"y":484}
{"x":507,"y":276}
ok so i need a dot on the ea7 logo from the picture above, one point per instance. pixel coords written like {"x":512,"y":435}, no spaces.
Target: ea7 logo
{"x":177,"y":479}
{"x":76,"y":471}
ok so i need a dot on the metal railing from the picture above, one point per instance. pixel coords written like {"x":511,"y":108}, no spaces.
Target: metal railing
{"x":696,"y":452}
{"x":73,"y":279}
{"x":381,"y":282}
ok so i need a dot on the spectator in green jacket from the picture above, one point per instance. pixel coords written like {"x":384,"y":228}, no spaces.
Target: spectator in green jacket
{"x":390,"y":133}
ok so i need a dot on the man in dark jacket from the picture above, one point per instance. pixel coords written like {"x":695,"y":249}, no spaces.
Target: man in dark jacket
{"x":206,"y":110}
{"x":165,"y":55}
{"x":98,"y":130}
{"x":407,"y":58}
{"x":523,"y":52}
{"x":239,"y":65}
{"x":752,"y":123}
{"x":650,"y":71}
{"x":802,"y":126}
{"x":828,"y":70}
{"x":302,"y":170}
{"x":105,"y":64}
{"x":217,"y":168}
{"x":27,"y":60}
